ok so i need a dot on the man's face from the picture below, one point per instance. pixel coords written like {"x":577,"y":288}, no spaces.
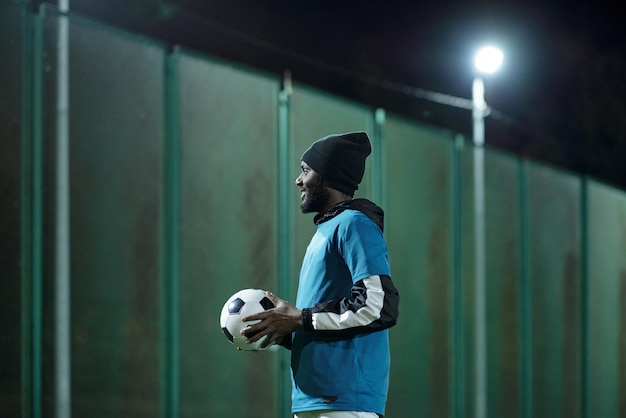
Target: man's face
{"x":312,"y":190}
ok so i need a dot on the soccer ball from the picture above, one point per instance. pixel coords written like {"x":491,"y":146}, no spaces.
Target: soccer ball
{"x":245,"y":302}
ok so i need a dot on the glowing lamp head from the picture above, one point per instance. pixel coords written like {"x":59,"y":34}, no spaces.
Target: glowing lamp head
{"x":488,"y":59}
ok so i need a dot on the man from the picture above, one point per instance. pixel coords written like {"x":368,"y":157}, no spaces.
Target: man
{"x":346,"y":300}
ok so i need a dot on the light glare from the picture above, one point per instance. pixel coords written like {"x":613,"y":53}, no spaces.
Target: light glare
{"x":488,"y":59}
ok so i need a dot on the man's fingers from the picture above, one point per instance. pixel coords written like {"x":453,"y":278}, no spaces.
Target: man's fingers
{"x":254,"y":317}
{"x":250,"y":333}
{"x":272,"y":297}
{"x":253,"y":336}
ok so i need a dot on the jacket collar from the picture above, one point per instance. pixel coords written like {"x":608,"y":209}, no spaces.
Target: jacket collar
{"x":370,"y":209}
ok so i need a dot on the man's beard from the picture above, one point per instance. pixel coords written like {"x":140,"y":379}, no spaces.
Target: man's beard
{"x":315,"y":199}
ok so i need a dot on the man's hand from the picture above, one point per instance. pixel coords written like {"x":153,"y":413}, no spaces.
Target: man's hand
{"x":283,"y":319}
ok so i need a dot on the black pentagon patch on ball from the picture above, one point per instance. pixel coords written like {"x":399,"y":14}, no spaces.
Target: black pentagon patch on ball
{"x":266,"y":303}
{"x":227,"y":334}
{"x":235,"y":306}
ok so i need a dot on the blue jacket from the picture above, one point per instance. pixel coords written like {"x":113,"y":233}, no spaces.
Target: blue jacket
{"x":340,"y":360}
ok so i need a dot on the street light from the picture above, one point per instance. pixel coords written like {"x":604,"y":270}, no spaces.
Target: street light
{"x":487,"y":60}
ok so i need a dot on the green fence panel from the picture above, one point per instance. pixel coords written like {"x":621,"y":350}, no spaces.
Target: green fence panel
{"x":555,"y":271}
{"x":606,"y":301}
{"x":419,"y":233}
{"x":502,"y":292}
{"x":228,"y":231}
{"x":13,"y":122}
{"x":115,"y":148}
{"x":503,"y":284}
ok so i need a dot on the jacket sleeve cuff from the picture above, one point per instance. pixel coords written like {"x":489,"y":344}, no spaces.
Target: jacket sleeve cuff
{"x":307,"y":319}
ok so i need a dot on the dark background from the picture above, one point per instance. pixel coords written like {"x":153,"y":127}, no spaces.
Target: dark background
{"x":559,"y":97}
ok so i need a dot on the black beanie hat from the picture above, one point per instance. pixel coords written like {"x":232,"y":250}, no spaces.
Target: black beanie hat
{"x":340,"y":159}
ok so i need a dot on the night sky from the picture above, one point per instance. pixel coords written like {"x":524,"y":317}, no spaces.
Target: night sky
{"x":560,"y":96}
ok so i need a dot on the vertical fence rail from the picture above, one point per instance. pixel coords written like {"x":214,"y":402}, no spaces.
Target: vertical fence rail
{"x":34,"y":232}
{"x":31,"y":367}
{"x":584,"y":299}
{"x":378,"y":170}
{"x":526,"y":348}
{"x":458,"y":335}
{"x":284,"y":226}
{"x":170,"y":282}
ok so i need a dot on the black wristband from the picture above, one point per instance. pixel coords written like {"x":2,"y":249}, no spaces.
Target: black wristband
{"x":307,"y":319}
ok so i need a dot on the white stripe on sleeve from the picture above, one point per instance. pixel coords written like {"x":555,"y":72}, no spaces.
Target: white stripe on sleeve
{"x":365,"y":315}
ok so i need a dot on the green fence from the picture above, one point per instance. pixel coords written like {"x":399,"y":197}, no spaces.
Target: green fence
{"x":179,"y":191}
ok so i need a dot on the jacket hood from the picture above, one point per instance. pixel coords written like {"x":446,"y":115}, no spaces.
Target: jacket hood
{"x":369,"y":208}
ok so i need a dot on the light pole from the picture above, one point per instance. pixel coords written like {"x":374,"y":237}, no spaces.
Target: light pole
{"x":487,"y":60}
{"x":62,"y":334}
